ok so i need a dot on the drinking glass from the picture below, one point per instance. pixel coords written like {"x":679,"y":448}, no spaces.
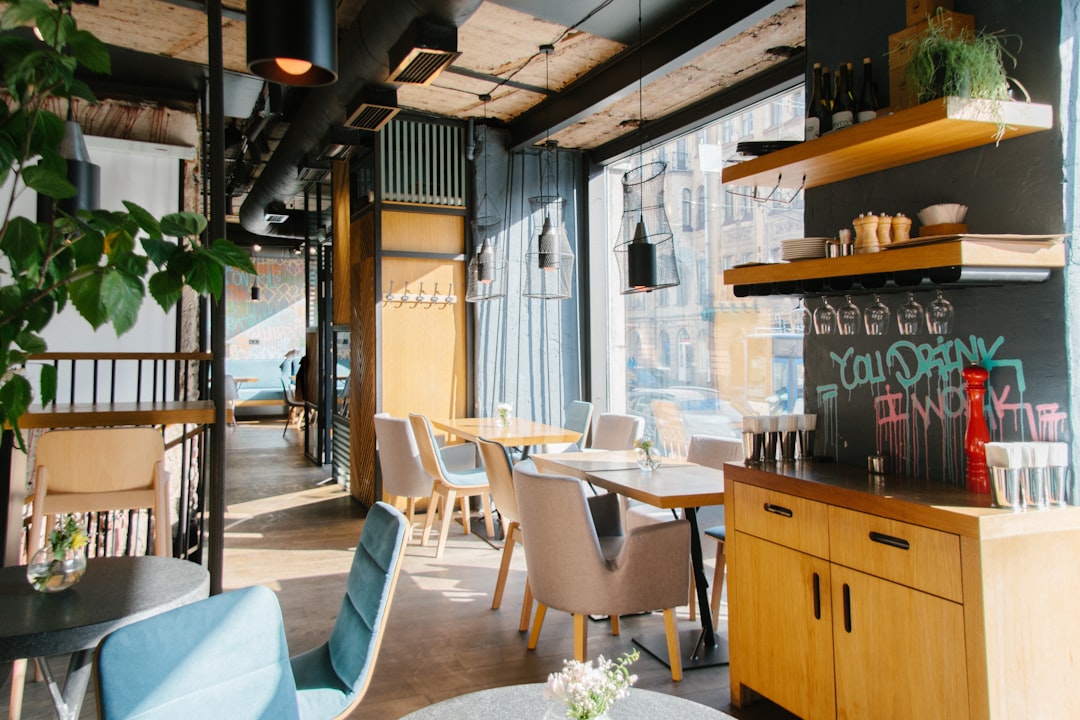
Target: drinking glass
{"x":939,"y":315}
{"x":825,"y":318}
{"x":802,"y":322}
{"x":848,"y":318}
{"x":876,"y":317}
{"x":909,"y":317}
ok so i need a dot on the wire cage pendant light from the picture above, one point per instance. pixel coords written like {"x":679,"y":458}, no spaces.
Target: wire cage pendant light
{"x":293,"y":43}
{"x":485,"y":275}
{"x":645,"y":248}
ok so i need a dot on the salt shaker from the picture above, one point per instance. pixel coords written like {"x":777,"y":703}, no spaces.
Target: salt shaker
{"x":901,"y":228}
{"x":884,"y":230}
{"x":866,"y":233}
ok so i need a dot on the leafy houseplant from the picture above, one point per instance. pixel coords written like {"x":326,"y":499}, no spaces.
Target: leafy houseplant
{"x":946,"y":61}
{"x":87,"y":259}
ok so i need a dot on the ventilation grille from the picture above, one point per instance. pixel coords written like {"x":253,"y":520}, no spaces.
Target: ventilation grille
{"x":424,"y":163}
{"x":422,"y":65}
{"x":371,"y":117}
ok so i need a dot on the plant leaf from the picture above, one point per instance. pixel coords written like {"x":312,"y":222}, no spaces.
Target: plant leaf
{"x":85,"y":295}
{"x":25,"y":12}
{"x":90,"y":52}
{"x":47,"y":383}
{"x":31,"y":343}
{"x":122,"y":294}
{"x":158,"y":250}
{"x":206,"y":276}
{"x":15,"y":396}
{"x":229,"y":253}
{"x":166,"y":288}
{"x":22,"y":243}
{"x":146,"y":222}
{"x":47,"y":182}
{"x":183,"y":224}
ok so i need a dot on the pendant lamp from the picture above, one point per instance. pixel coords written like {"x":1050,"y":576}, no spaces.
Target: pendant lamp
{"x":549,"y":260}
{"x":485,"y":277}
{"x":83,"y":174}
{"x":646,"y":247}
{"x":293,"y":42}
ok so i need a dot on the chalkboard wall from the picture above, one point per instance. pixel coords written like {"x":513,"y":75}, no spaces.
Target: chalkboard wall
{"x":903,"y":395}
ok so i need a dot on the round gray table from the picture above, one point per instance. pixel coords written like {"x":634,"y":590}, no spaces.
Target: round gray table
{"x":114,"y":592}
{"x":517,"y":702}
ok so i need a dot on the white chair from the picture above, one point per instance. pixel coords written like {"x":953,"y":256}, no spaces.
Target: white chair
{"x":579,"y":418}
{"x":403,"y":473}
{"x":231,"y":397}
{"x":293,"y":407}
{"x":617,"y":432}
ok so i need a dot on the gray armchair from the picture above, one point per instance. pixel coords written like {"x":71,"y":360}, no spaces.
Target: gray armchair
{"x":579,"y":562}
{"x":403,"y":472}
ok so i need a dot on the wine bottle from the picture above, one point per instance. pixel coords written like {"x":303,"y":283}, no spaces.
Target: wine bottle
{"x":826,"y":100}
{"x":813,"y":107}
{"x":842,"y":115}
{"x":867,"y":106}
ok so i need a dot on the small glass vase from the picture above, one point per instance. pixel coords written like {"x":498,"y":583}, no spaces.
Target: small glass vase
{"x":49,"y":573}
{"x":647,"y":460}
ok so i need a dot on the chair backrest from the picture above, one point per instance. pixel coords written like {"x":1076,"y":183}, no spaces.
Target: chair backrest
{"x":617,"y":432}
{"x":714,"y":451}
{"x":225,"y":656}
{"x":500,"y":474}
{"x":579,"y":418}
{"x":670,"y":430}
{"x":290,"y":397}
{"x":361,"y":622}
{"x":101,"y":469}
{"x":403,"y":472}
{"x":562,"y":550}
{"x":429,"y":449}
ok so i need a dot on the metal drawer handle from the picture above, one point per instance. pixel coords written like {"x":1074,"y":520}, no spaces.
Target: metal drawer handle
{"x":899,"y":543}
{"x":778,"y":510}
{"x":847,"y":607}
{"x":817,"y":596}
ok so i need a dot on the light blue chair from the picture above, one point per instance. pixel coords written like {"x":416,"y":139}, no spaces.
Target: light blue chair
{"x":579,"y":418}
{"x":225,"y":656}
{"x":332,"y":678}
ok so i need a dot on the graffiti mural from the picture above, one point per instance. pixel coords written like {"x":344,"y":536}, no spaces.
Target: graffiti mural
{"x":268,"y":328}
{"x":919,"y":404}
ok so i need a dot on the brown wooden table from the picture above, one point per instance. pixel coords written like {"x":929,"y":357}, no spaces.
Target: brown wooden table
{"x":518,"y":433}
{"x":676,"y":484}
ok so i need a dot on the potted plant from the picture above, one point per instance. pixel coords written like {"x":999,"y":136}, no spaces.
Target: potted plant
{"x":62,"y":561}
{"x":950,"y":61}
{"x":87,"y":259}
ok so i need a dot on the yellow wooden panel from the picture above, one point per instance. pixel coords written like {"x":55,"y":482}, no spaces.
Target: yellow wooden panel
{"x":785,"y":519}
{"x":423,"y":232}
{"x":342,"y":239}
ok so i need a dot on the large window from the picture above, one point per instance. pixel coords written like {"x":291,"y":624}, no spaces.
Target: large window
{"x":697,"y":348}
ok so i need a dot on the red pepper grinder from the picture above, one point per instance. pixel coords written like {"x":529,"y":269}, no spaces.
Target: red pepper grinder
{"x":977,"y":435}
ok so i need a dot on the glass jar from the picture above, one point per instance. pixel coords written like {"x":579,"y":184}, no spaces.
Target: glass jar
{"x":50,"y":572}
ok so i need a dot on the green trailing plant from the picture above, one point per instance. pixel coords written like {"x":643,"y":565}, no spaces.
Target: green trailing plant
{"x":88,"y":259}
{"x":945,"y":60}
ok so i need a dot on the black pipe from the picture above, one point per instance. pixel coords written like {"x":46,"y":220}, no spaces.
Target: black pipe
{"x":363,"y":54}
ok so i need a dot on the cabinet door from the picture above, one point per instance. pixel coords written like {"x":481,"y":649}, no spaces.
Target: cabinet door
{"x":780,"y":627}
{"x":899,"y":652}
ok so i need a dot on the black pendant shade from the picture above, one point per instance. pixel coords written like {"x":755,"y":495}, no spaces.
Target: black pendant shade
{"x":641,"y":261}
{"x":485,"y":263}
{"x":83,"y":174}
{"x":293,"y":42}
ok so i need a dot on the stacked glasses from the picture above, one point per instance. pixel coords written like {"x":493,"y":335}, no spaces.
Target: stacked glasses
{"x":767,"y":436}
{"x":1028,"y":475}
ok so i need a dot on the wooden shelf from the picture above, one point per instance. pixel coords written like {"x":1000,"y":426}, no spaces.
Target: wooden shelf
{"x":925,"y":131}
{"x":959,"y":261}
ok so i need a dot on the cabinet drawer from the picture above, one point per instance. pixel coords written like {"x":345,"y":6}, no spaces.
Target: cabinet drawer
{"x":784,"y":519}
{"x":912,"y":555}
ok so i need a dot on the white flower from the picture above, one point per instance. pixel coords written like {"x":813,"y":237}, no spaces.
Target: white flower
{"x":590,"y":691}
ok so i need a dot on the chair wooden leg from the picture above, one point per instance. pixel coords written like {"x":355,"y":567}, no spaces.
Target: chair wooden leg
{"x":718,"y":581}
{"x":18,"y":682}
{"x":671,"y":629}
{"x":614,"y":624}
{"x":526,"y":608}
{"x":693,"y":595}
{"x":504,"y":566}
{"x":465,"y":518}
{"x":581,"y":637}
{"x":538,"y":622}
{"x":429,"y":518}
{"x":489,"y":518}
{"x":444,"y":524}
{"x":410,"y":513}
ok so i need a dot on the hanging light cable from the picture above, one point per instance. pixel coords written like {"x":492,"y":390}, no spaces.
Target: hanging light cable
{"x":650,"y":261}
{"x":486,"y":272}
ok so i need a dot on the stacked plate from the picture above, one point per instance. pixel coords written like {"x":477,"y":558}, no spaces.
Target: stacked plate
{"x":802,"y":248}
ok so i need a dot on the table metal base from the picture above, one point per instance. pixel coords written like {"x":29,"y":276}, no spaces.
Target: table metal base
{"x":696,"y":654}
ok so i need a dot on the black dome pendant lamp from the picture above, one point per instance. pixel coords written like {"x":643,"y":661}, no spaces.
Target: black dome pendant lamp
{"x":291,"y":42}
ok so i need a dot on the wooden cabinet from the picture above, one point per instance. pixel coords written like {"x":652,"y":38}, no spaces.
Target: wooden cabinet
{"x":897,"y":599}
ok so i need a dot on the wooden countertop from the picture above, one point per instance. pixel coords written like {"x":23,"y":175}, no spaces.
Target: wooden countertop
{"x":936,"y":505}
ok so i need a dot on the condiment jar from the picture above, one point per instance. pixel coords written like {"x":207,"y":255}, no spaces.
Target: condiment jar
{"x":884,"y":230}
{"x":901,"y":228}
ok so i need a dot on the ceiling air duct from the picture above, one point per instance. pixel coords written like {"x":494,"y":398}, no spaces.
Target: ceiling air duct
{"x":275,"y":213}
{"x":424,"y":50}
{"x":375,"y":107}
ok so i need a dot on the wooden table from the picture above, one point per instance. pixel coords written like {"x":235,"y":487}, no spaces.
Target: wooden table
{"x":513,"y":702}
{"x":518,"y":433}
{"x":677,"y":484}
{"x":114,"y":592}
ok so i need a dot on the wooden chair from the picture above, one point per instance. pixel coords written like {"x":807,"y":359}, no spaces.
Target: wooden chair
{"x":448,"y":486}
{"x":579,"y":561}
{"x":96,"y":470}
{"x":617,"y":432}
{"x":500,"y":473}
{"x":403,"y":472}
{"x":670,"y":430}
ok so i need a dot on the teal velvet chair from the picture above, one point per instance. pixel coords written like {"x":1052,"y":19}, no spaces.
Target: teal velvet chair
{"x":579,"y":417}
{"x":333,"y":677}
{"x":225,"y":656}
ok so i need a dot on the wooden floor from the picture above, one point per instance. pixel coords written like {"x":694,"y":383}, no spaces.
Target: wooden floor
{"x":286,"y":531}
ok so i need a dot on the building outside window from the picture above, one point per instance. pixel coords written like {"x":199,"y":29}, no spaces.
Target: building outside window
{"x":715,"y":356}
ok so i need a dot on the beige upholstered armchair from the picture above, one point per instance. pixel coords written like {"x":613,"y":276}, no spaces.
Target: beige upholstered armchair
{"x":579,"y":561}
